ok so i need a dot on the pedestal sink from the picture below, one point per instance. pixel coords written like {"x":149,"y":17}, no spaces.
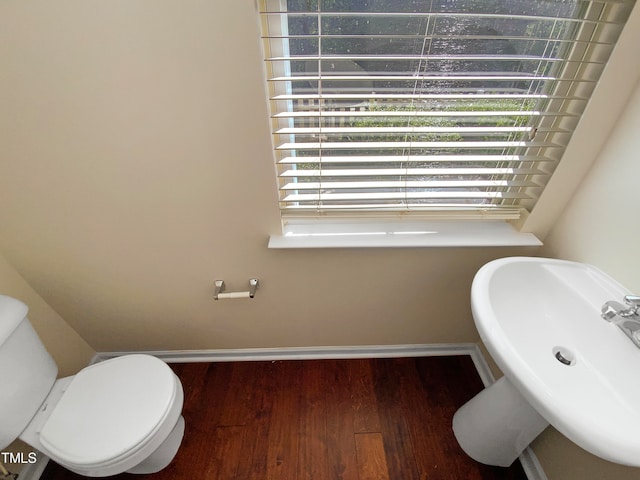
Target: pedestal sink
{"x":563,"y":364}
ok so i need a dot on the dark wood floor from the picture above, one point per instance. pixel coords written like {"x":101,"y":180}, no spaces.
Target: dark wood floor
{"x":363,"y":419}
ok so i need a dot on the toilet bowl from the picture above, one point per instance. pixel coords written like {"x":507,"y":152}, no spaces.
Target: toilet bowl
{"x":123,"y":414}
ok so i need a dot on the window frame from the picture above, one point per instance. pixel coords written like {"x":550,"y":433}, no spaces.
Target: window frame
{"x":334,"y":229}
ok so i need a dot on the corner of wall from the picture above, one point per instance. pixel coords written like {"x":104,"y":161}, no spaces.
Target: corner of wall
{"x":67,"y":348}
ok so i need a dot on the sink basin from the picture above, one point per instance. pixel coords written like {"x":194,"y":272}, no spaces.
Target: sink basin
{"x":540,"y":320}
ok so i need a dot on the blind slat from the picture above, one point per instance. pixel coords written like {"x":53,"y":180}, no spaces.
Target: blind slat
{"x":486,"y":58}
{"x":429,"y":78}
{"x":411,"y":145}
{"x":402,"y":159}
{"x":437,"y":36}
{"x":401,"y":184}
{"x":408,"y":130}
{"x":433,"y":113}
{"x":476,"y":171}
{"x":341,"y":197}
{"x":421,"y":96}
{"x":474,"y":16}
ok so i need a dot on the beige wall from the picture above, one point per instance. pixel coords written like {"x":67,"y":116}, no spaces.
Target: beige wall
{"x":135,"y":138}
{"x":600,"y":227}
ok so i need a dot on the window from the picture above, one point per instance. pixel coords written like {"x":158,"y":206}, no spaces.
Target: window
{"x":460,"y":108}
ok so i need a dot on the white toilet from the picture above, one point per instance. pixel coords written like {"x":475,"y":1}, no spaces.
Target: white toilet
{"x":123,"y":414}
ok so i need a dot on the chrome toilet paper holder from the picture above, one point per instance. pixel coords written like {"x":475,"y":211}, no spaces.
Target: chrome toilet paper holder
{"x":220,"y":293}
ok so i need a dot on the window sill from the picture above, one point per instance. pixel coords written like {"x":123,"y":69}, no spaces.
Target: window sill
{"x":481,"y":233}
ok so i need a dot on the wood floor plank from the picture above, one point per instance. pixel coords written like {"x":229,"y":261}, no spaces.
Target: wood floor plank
{"x":259,"y":404}
{"x":284,"y":428}
{"x":399,"y":451}
{"x":372,"y":462}
{"x":209,"y":394}
{"x":341,"y":447}
{"x":227,"y":455}
{"x":238,"y":407}
{"x":363,"y":397}
{"x":313,"y":461}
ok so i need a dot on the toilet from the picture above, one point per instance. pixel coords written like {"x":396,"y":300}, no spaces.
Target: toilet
{"x":119,"y":415}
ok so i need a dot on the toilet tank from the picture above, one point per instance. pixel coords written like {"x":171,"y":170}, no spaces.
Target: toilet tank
{"x":27,"y":371}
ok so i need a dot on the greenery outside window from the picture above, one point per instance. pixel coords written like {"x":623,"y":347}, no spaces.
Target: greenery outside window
{"x":452,"y":108}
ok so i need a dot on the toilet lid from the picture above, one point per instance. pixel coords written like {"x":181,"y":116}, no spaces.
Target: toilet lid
{"x":109,"y":409}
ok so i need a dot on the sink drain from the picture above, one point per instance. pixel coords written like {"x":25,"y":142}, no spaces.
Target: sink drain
{"x":564,"y":356}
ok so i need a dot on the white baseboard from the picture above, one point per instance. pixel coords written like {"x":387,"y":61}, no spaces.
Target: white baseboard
{"x":529,"y":461}
{"x":302,"y":353}
{"x":531,"y":465}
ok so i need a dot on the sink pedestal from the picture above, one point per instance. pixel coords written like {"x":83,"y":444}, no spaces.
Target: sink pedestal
{"x":496,"y":425}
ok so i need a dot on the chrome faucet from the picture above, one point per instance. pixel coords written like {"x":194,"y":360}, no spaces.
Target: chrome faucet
{"x":626,"y":317}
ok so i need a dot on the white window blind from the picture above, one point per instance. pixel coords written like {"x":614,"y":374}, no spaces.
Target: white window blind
{"x":456,"y":106}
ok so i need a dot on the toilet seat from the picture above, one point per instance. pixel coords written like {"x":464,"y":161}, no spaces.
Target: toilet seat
{"x":112,"y":412}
